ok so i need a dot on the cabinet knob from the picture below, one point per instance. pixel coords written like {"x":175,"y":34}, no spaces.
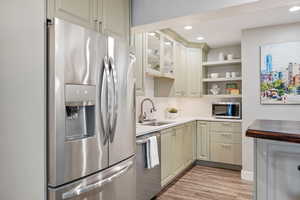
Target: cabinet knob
{"x":299,"y":167}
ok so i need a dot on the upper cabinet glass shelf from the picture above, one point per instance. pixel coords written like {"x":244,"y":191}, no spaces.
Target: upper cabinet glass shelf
{"x":153,"y":41}
{"x":168,"y":56}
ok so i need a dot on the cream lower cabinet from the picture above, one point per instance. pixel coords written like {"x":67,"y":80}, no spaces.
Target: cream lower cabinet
{"x":168,"y":147}
{"x":176,"y":151}
{"x":189,"y":143}
{"x":226,"y":142}
{"x":219,"y":142}
{"x":203,"y":140}
{"x":179,"y":151}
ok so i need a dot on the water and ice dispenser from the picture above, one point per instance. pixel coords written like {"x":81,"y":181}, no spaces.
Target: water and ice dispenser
{"x":80,"y":111}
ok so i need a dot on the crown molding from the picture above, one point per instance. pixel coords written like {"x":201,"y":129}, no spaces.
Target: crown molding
{"x":174,"y":35}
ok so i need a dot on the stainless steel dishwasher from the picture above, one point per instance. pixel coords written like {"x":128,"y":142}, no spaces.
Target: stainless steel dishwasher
{"x":148,"y":181}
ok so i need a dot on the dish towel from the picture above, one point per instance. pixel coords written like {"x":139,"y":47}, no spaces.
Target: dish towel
{"x":152,"y":157}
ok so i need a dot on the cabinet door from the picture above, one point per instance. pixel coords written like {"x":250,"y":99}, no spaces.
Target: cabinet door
{"x":194,"y":140}
{"x":194,"y":63}
{"x":164,"y":156}
{"x":168,"y":51}
{"x":226,"y":153}
{"x":81,"y":12}
{"x":180,"y":85}
{"x":188,"y":144}
{"x":167,"y":151}
{"x":203,"y":140}
{"x":191,"y":144}
{"x":116,"y":18}
{"x":173,"y":153}
{"x":138,"y":43}
{"x":178,"y":149}
{"x":185,"y":142}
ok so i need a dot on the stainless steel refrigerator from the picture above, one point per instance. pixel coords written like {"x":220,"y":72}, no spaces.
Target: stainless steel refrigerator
{"x":91,"y":115}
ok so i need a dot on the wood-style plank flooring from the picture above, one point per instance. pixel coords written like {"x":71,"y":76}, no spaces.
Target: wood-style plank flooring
{"x":206,"y":183}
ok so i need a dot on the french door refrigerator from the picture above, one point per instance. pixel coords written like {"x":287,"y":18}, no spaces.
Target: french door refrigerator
{"x":91,"y":115}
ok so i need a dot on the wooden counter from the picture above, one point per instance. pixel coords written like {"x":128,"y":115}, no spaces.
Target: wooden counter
{"x":286,"y":131}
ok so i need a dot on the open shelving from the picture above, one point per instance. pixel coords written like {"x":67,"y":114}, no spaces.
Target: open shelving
{"x":222,"y":96}
{"x":222,"y":68}
{"x":221,"y":79}
{"x":224,"y":62}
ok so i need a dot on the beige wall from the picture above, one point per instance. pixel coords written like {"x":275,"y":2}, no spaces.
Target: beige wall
{"x":252,"y":39}
{"x":22,"y":100}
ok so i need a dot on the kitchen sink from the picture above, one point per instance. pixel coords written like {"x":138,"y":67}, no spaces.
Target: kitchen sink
{"x":156,"y":123}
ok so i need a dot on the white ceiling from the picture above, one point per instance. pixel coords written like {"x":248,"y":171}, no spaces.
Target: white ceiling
{"x":151,"y":11}
{"x":224,"y":27}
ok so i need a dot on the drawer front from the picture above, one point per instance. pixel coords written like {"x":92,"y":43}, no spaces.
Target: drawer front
{"x":226,"y":127}
{"x":226,"y":137}
{"x":226,"y":153}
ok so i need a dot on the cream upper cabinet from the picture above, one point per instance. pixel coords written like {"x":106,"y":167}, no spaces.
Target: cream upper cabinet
{"x":203,"y":140}
{"x":116,"y":18}
{"x":109,"y":16}
{"x":87,"y":13}
{"x":180,"y":85}
{"x":139,"y":72}
{"x":168,"y":56}
{"x":194,"y":64}
{"x":152,"y":52}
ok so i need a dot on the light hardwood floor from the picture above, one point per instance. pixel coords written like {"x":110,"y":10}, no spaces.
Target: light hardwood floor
{"x":206,"y":183}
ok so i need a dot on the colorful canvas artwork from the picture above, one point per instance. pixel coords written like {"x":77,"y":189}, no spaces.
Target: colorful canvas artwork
{"x":280,"y":73}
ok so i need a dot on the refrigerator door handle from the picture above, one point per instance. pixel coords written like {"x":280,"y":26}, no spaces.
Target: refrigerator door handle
{"x":114,"y":114}
{"x":104,"y":99}
{"x":80,"y":190}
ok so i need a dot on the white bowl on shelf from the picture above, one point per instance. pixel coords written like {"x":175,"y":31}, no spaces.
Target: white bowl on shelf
{"x":214,"y":75}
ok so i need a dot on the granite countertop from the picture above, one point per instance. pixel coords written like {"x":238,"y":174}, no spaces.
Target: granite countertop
{"x":287,"y":131}
{"x":143,"y":129}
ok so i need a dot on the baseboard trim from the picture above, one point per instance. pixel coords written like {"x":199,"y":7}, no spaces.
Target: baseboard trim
{"x":247,"y":175}
{"x":218,"y":165}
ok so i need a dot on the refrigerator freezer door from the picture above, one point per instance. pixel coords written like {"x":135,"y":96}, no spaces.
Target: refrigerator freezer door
{"x":77,"y":103}
{"x":115,"y":183}
{"x":122,"y":109}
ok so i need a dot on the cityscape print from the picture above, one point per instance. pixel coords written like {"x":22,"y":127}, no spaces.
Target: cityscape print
{"x":280,"y":73}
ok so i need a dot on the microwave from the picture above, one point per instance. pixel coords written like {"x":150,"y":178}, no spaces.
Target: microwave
{"x":226,"y":110}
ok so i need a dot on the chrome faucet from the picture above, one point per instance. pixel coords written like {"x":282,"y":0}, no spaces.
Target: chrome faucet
{"x":143,"y":116}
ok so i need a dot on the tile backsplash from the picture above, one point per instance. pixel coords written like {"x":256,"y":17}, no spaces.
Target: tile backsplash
{"x":188,"y":107}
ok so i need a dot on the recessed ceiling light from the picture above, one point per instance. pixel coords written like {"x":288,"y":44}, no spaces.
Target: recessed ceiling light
{"x":188,"y":27}
{"x":151,"y":34}
{"x":294,"y":8}
{"x":200,"y":38}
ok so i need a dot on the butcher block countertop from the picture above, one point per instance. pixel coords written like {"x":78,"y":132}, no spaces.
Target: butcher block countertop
{"x":286,"y":131}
